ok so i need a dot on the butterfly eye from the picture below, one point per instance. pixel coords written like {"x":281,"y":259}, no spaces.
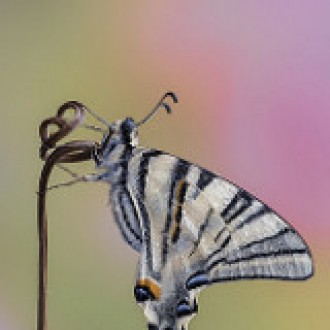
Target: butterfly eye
{"x":184,"y":309}
{"x":142,"y":294}
{"x":197,"y":281}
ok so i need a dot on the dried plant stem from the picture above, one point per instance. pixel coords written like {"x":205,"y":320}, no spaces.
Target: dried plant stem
{"x":71,"y":152}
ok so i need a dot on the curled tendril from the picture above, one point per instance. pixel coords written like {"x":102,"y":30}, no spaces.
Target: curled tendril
{"x":64,"y":127}
{"x":52,"y":154}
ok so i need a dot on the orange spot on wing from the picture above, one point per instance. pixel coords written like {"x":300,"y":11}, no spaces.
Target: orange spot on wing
{"x":151,"y":285}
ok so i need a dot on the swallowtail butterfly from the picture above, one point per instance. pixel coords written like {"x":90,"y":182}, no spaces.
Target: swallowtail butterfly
{"x":191,"y":228}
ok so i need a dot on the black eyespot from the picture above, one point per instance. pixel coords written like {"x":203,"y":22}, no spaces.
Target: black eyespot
{"x":197,"y":280}
{"x":142,"y":293}
{"x":183,"y":309}
{"x":152,"y":326}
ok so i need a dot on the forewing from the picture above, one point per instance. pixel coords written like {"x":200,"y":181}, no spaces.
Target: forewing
{"x":221,"y":231}
{"x":239,"y":237}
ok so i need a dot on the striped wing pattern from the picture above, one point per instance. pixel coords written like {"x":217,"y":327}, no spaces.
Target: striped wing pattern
{"x":126,"y":217}
{"x":174,"y":207}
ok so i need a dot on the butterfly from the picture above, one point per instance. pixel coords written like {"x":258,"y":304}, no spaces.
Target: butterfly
{"x":190,"y":227}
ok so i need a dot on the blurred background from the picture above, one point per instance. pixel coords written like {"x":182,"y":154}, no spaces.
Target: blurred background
{"x":253,"y":79}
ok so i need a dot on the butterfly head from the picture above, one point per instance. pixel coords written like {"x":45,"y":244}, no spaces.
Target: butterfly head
{"x":168,"y":303}
{"x":120,"y":138}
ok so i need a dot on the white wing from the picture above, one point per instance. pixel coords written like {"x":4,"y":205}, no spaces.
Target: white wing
{"x":224,"y":232}
{"x":236,"y":236}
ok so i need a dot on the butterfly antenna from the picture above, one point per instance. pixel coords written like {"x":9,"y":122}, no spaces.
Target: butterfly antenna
{"x":100,"y":119}
{"x":94,"y":128}
{"x":159,"y":105}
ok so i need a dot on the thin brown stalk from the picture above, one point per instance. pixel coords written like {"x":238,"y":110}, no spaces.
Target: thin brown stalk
{"x":52,"y":154}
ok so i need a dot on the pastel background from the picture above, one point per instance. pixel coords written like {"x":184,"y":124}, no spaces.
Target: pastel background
{"x":253,"y":79}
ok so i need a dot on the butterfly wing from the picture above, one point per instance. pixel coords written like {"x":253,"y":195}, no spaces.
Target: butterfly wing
{"x":198,"y":228}
{"x":240,"y":237}
{"x":224,"y":232}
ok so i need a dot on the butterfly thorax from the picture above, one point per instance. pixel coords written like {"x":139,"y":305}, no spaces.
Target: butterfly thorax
{"x":112,"y":157}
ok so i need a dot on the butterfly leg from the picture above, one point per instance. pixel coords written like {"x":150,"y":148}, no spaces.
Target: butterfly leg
{"x":63,"y":184}
{"x":80,"y":178}
{"x":77,"y":178}
{"x":67,"y":170}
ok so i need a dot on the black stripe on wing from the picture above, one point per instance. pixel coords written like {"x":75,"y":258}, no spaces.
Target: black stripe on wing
{"x":201,"y":231}
{"x":178,"y":189}
{"x":204,"y":179}
{"x":291,"y":264}
{"x":123,"y":207}
{"x":126,"y":219}
{"x":270,"y":247}
{"x":130,"y":216}
{"x":224,"y":241}
{"x":282,"y":254}
{"x":222,"y":246}
{"x":239,"y":203}
{"x":143,"y":169}
{"x":143,"y":173}
{"x":254,"y":216}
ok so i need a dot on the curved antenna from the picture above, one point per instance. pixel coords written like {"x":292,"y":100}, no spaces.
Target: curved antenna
{"x":94,"y":128}
{"x":158,"y":106}
{"x":100,"y":119}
